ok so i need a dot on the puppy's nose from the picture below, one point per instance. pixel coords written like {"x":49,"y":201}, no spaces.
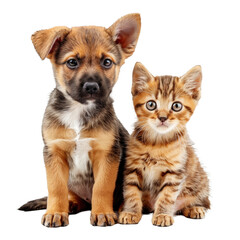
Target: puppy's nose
{"x":162,"y":119}
{"x":91,"y":87}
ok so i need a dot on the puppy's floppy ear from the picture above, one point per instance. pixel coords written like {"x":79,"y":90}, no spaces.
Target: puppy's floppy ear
{"x":125,"y":31}
{"x":192,"y":81}
{"x":141,"y":76}
{"x":45,"y":41}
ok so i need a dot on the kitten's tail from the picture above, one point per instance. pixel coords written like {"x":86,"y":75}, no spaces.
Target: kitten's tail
{"x":33,"y":205}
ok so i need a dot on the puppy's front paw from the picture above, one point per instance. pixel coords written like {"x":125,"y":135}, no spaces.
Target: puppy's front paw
{"x":55,"y":219}
{"x":162,"y":220}
{"x":129,"y":218}
{"x":103,"y":219}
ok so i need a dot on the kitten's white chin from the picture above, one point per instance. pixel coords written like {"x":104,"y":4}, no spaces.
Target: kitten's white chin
{"x":162,"y":128}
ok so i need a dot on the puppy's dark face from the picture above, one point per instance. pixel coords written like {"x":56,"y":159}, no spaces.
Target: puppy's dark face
{"x":87,"y":63}
{"x":86,"y":60}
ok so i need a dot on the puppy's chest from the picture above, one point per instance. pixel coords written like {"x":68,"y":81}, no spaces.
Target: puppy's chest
{"x":79,"y":161}
{"x":80,"y":166}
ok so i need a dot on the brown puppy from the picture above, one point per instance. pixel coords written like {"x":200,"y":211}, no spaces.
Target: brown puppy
{"x":84,"y":140}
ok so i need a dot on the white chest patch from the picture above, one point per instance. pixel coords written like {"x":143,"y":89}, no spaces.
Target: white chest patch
{"x":72,"y":117}
{"x":81,"y":163}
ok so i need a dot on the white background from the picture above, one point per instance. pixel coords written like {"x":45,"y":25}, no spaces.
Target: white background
{"x":175,"y":36}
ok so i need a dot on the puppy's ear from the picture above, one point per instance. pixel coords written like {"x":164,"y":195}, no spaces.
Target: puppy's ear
{"x":192,"y":82}
{"x":125,"y":32}
{"x":141,"y":78}
{"x":46,"y":41}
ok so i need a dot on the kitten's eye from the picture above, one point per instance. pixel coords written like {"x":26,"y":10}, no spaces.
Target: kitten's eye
{"x":72,"y":63}
{"x":177,"y":106}
{"x":151,"y":105}
{"x":107,"y":63}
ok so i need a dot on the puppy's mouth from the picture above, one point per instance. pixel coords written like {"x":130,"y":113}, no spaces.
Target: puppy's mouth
{"x":91,"y":97}
{"x":83,"y":98}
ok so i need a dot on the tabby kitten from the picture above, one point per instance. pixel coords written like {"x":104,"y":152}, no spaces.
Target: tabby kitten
{"x":163,"y":174}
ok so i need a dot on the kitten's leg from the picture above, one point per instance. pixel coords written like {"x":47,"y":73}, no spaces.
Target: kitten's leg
{"x":132,"y":209}
{"x":164,"y":206}
{"x":190,"y":207}
{"x":193,"y":201}
{"x":194,"y":207}
{"x":194,"y":212}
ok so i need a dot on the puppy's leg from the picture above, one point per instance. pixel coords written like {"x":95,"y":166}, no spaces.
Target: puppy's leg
{"x":105,"y":174}
{"x":57,"y":170}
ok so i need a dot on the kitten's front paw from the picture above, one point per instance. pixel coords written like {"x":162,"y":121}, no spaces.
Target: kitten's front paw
{"x":129,"y":218}
{"x":194,"y":212}
{"x":162,"y":220}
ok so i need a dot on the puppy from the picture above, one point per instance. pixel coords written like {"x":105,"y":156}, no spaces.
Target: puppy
{"x":84,"y":141}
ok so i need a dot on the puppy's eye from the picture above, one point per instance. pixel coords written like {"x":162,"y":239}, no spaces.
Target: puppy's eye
{"x":72,"y":63}
{"x":107,"y":63}
{"x":151,"y":105}
{"x":177,"y":106}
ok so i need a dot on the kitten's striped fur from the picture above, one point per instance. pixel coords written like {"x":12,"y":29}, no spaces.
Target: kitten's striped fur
{"x":163,"y":174}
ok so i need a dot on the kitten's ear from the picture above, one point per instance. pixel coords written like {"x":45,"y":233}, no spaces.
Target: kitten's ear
{"x":125,"y":32}
{"x":141,"y":77}
{"x":46,"y":41}
{"x":192,"y":81}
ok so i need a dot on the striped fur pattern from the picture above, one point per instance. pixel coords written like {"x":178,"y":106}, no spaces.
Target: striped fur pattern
{"x":163,"y":174}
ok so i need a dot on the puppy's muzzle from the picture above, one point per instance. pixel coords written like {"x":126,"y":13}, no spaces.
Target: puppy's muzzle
{"x":91,"y":88}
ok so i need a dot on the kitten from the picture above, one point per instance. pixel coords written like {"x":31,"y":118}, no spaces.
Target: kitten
{"x":163,"y":174}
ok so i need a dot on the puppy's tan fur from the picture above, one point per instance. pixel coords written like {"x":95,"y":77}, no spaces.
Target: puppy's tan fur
{"x":77,"y":119}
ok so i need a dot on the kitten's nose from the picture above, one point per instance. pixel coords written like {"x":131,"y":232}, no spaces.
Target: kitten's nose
{"x":162,"y":119}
